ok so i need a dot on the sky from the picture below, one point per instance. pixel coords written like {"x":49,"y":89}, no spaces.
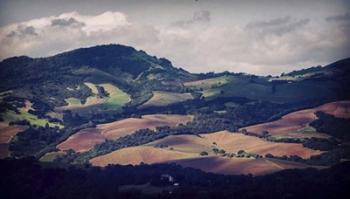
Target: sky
{"x":253,"y":36}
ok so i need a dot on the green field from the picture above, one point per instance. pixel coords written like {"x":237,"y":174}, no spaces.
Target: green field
{"x":51,"y":156}
{"x":209,"y":83}
{"x":116,"y":99}
{"x":73,"y":101}
{"x":161,"y":98}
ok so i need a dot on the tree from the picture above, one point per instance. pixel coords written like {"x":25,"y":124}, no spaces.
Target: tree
{"x":265,"y":133}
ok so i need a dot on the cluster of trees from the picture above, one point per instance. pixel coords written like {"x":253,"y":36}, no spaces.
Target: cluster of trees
{"x":337,"y":127}
{"x":328,"y":158}
{"x":322,"y":144}
{"x":26,"y":178}
{"x":239,"y":154}
{"x":32,"y":140}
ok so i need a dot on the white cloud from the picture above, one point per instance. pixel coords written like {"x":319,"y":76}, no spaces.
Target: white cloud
{"x":261,"y":47}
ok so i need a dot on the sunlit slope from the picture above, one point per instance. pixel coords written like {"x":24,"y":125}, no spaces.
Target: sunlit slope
{"x":188,"y":150}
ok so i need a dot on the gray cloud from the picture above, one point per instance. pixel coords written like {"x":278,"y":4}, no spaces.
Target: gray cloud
{"x":199,"y":17}
{"x":22,"y":31}
{"x":261,"y":47}
{"x":270,"y":23}
{"x":278,"y":26}
{"x":67,"y":22}
{"x":339,"y":18}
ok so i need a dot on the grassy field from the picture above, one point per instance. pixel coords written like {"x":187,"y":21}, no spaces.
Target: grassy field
{"x":73,"y":102}
{"x":259,"y":88}
{"x":11,"y":116}
{"x":161,"y":98}
{"x":51,"y":156}
{"x":209,"y":83}
{"x":185,"y":150}
{"x":86,"y":139}
{"x":116,"y":99}
{"x":92,"y":87}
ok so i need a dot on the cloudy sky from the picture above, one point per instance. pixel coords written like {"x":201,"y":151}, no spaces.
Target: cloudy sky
{"x":260,"y":37}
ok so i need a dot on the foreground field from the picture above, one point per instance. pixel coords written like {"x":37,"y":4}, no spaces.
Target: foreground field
{"x":296,"y":124}
{"x":86,"y":139}
{"x":186,"y":150}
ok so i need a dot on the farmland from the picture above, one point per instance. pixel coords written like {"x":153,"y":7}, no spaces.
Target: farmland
{"x":87,"y":138}
{"x":186,"y":151}
{"x":296,"y":124}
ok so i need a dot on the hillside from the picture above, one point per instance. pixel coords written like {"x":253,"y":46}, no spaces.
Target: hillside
{"x":115,"y":101}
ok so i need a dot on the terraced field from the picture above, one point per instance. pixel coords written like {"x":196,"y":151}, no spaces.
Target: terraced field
{"x":87,"y":138}
{"x":161,"y":98}
{"x":296,"y":124}
{"x":185,"y":150}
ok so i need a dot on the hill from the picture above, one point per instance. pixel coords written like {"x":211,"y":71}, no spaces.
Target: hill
{"x":76,"y":96}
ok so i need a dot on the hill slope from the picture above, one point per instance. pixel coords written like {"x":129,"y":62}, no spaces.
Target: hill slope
{"x":52,"y":99}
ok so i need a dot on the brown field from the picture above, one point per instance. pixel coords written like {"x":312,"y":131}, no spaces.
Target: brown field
{"x":233,"y":142}
{"x":185,"y":149}
{"x":136,"y":155}
{"x":339,"y":109}
{"x":86,"y":139}
{"x":296,"y":124}
{"x":82,"y":141}
{"x":6,"y":134}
